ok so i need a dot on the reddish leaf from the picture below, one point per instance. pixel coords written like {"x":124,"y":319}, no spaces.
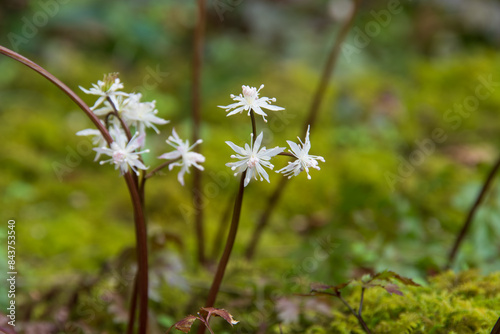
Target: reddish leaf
{"x":185,"y":324}
{"x":393,"y":288}
{"x":219,"y":312}
{"x":405,"y":280}
{"x":319,"y":287}
{"x":388,"y":275}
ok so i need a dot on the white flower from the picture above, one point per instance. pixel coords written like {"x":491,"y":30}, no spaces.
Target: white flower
{"x":134,"y":112}
{"x":120,"y":104}
{"x":141,"y":114}
{"x":304,"y":160}
{"x":122,"y":153}
{"x":108,"y":87}
{"x":250,"y":101}
{"x":97,"y":140}
{"x":182,"y":151}
{"x":252,"y":159}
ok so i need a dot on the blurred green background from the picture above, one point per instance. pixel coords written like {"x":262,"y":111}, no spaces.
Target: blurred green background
{"x":418,"y":72}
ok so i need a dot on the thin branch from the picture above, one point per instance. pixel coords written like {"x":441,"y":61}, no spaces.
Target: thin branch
{"x":72,"y":95}
{"x":288,"y":154}
{"x":160,"y":167}
{"x":361,"y":301}
{"x":310,"y":120}
{"x":358,"y":316}
{"x":221,"y":268}
{"x":339,"y":296}
{"x":470,"y":216}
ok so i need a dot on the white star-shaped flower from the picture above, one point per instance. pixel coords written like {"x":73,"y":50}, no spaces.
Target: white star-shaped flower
{"x":141,"y":114}
{"x":134,"y":112}
{"x":252,"y":159}
{"x":250,"y":101}
{"x":182,"y":151}
{"x":122,"y":153}
{"x":108,"y":87}
{"x":97,"y":139}
{"x":304,"y":159}
{"x":120,"y":104}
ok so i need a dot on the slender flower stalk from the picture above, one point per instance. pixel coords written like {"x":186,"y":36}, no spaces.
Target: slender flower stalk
{"x":310,"y":121}
{"x":221,"y":268}
{"x":142,"y":255}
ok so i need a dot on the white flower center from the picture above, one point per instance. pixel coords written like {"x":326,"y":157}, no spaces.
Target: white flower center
{"x":250,"y":94}
{"x":252,"y":161}
{"x":119,"y":156}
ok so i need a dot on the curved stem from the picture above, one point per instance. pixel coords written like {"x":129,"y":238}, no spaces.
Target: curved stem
{"x":142,"y":252}
{"x":496,"y":328}
{"x":72,"y":95}
{"x":133,"y":307}
{"x":198,"y":41}
{"x":221,"y":268}
{"x":132,"y":186}
{"x":160,"y":167}
{"x":311,"y":119}
{"x":287,"y":154}
{"x":470,"y":216}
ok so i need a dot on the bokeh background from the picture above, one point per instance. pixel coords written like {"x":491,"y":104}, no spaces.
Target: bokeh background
{"x":413,"y":75}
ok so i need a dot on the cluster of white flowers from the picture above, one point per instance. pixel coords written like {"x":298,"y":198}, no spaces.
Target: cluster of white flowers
{"x":251,"y":158}
{"x":119,"y":109}
{"x":135,"y":114}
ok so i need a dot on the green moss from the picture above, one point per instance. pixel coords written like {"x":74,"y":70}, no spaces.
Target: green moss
{"x":451,"y":303}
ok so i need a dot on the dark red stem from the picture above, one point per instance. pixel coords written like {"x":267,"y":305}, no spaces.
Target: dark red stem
{"x":72,"y":95}
{"x":221,"y":268}
{"x":142,"y":252}
{"x":470,"y":216}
